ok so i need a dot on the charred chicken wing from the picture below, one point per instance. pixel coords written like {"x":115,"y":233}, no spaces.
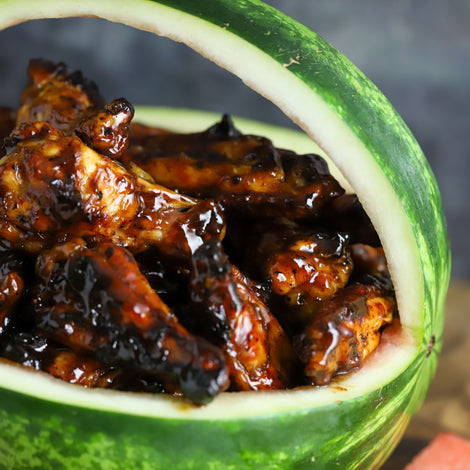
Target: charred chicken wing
{"x":136,"y":258}
{"x":301,"y":267}
{"x":107,"y":129}
{"x":245,"y":173}
{"x":56,"y":95}
{"x":97,"y":301}
{"x":51,"y":184}
{"x":257,"y":350}
{"x":345,"y":332}
{"x":73,"y":104}
{"x":43,"y":354}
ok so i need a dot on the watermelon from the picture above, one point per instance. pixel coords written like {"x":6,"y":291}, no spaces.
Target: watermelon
{"x":356,"y":423}
{"x":447,"y":451}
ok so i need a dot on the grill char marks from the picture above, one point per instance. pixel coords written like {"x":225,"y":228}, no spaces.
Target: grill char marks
{"x":254,"y":270}
{"x":245,"y":173}
{"x":97,"y":301}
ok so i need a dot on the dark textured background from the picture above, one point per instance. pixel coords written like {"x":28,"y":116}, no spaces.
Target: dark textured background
{"x":416,"y":51}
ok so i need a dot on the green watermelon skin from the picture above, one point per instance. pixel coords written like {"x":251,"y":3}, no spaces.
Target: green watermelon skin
{"x":357,"y":433}
{"x":37,"y":434}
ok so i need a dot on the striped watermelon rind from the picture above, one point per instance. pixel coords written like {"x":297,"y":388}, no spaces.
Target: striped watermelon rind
{"x":355,"y":423}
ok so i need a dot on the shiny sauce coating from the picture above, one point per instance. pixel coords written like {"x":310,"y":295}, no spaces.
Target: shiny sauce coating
{"x":140,"y":259}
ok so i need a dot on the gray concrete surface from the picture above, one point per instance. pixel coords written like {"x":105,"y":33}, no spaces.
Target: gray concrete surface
{"x":416,"y":51}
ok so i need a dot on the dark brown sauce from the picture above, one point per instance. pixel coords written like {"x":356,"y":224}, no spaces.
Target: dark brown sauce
{"x":188,"y":264}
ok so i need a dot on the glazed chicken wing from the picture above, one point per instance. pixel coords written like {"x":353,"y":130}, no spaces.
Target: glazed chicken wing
{"x":301,"y":267}
{"x":81,"y":369}
{"x":73,"y":104}
{"x":51,"y":184}
{"x":257,"y":350}
{"x":97,"y":301}
{"x":56,"y":95}
{"x":75,"y":367}
{"x":245,"y":173}
{"x":346,"y":330}
{"x":38,"y":353}
{"x":299,"y":262}
{"x":107,"y":129}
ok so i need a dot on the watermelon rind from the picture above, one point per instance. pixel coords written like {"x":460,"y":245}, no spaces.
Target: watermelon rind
{"x":355,"y":422}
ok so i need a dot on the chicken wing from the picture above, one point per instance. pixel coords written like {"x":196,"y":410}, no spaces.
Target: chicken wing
{"x":346,"y":330}
{"x":245,"y":173}
{"x":230,"y":313}
{"x":73,"y":104}
{"x":56,"y":95}
{"x":80,"y":369}
{"x":51,"y":184}
{"x":107,"y":129}
{"x":40,"y":353}
{"x":302,"y":263}
{"x":97,"y":301}
{"x":301,"y":267}
{"x":36,"y":352}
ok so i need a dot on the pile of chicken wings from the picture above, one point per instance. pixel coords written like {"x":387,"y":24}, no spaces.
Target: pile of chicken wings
{"x":145,"y":260}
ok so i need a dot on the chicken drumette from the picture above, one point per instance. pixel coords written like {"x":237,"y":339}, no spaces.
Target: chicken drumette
{"x":73,"y":105}
{"x":95,"y":300}
{"x":345,"y":331}
{"x":233,"y":315}
{"x":245,"y":173}
{"x":52,"y":185}
{"x":299,"y":266}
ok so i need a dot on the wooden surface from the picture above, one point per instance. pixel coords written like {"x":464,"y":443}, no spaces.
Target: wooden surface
{"x":447,"y":405}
